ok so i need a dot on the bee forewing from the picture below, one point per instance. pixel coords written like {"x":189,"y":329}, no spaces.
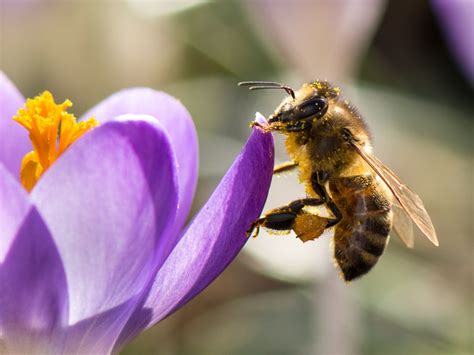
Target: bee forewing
{"x":408,"y":200}
{"x":403,"y":226}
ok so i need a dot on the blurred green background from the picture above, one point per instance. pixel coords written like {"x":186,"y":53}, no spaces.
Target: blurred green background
{"x":394,"y":59}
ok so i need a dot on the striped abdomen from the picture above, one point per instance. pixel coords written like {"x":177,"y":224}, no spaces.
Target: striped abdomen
{"x":361,"y":235}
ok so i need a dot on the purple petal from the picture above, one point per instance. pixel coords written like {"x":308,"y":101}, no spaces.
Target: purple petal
{"x":177,"y":122}
{"x":110,"y":203}
{"x":215,"y":236}
{"x":14,"y":142}
{"x":457,"y":20}
{"x":33,"y":297}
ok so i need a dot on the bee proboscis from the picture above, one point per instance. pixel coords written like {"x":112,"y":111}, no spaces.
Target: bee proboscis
{"x":329,"y":143}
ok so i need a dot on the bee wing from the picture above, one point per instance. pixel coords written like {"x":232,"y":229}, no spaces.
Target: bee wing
{"x":403,"y":226}
{"x":409,"y":201}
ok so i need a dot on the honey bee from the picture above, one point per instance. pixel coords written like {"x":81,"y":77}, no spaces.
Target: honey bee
{"x":329,"y":143}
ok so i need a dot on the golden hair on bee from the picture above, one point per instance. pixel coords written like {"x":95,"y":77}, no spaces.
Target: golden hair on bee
{"x":329,"y":143}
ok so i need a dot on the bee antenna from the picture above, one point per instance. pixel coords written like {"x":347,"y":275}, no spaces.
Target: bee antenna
{"x":259,"y":82}
{"x":260,"y":85}
{"x":289,"y":91}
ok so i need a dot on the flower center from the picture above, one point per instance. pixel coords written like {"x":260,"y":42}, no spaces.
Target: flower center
{"x":52,"y":130}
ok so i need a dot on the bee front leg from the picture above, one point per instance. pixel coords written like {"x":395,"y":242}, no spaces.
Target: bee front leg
{"x":283,"y":218}
{"x":284,"y":167}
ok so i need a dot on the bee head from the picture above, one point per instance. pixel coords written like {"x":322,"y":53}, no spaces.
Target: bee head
{"x":309,"y":104}
{"x":300,"y":109}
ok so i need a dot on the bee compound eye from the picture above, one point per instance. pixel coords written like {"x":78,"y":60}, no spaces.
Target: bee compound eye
{"x":317,"y":106}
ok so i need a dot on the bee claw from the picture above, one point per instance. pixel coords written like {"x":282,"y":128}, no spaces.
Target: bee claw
{"x":255,"y":226}
{"x":265,"y":128}
{"x":255,"y":124}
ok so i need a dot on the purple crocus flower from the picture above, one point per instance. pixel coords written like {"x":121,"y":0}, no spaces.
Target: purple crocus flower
{"x":95,"y":253}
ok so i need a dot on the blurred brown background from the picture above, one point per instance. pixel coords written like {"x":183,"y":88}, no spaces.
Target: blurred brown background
{"x":395,"y":59}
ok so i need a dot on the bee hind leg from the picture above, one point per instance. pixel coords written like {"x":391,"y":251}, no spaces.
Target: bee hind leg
{"x":318,"y":179}
{"x":286,"y":218}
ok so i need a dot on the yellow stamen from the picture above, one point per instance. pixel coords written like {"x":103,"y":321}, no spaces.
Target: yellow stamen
{"x":52,"y":130}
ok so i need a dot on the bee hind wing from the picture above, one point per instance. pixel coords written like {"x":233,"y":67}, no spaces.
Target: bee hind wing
{"x":409,"y":201}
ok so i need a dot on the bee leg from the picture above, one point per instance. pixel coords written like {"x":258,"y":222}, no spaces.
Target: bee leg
{"x":336,"y":212}
{"x":282,"y":218}
{"x":318,"y":179}
{"x":255,"y":226}
{"x":283,"y":167}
